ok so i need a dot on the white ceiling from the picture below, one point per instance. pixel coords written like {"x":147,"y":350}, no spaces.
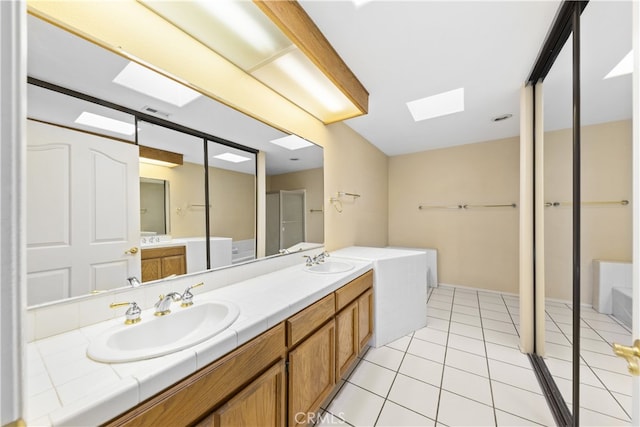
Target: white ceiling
{"x":405,"y":50}
{"x":400,"y":51}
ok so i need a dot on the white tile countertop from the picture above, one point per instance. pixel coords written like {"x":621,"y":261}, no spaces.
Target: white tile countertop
{"x":65,"y":387}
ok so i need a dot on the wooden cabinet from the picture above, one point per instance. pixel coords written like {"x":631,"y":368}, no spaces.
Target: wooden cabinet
{"x":157,"y":263}
{"x":354,"y":320}
{"x":311,"y":373}
{"x":197,"y":396}
{"x":365,"y":318}
{"x":347,"y":338}
{"x":261,"y":403}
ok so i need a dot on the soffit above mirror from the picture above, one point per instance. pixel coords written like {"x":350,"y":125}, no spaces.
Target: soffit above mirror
{"x":146,"y":29}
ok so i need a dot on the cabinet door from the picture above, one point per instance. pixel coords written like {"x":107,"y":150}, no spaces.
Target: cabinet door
{"x":261,"y":403}
{"x":311,"y":373}
{"x":173,"y":265}
{"x":347,"y":338}
{"x":365,"y":318}
{"x":151,"y":269}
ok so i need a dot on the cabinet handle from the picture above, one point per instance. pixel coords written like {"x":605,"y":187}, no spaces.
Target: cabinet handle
{"x":132,"y":251}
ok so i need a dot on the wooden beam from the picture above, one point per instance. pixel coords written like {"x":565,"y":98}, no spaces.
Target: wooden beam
{"x":294,"y":22}
{"x":162,"y":155}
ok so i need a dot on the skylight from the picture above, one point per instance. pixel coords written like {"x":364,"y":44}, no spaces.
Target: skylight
{"x":230,"y":157}
{"x":105,"y":123}
{"x":437,"y":105}
{"x":625,"y":66}
{"x":292,"y":142}
{"x":141,"y":79}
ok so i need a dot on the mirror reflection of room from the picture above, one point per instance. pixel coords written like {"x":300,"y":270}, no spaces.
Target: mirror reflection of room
{"x":149,"y":240}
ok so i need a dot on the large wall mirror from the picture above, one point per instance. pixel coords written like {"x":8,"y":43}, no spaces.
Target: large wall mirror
{"x":126,"y":182}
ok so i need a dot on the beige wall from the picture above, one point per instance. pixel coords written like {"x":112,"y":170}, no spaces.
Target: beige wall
{"x":479,"y":248}
{"x":354,"y":165}
{"x":606,"y":230}
{"x":476,"y":247}
{"x":232,"y":198}
{"x":311,"y":180}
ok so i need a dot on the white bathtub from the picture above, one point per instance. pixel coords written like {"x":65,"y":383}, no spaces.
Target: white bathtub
{"x":622,"y":301}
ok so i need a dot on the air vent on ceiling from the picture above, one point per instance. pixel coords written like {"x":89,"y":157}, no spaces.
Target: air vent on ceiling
{"x":502,"y":117}
{"x":154,"y":111}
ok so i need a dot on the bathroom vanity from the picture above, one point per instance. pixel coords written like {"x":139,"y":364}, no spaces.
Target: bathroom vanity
{"x":298,"y":332}
{"x":298,"y":360}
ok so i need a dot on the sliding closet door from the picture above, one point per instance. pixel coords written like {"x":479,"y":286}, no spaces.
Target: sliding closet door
{"x":587,"y":228}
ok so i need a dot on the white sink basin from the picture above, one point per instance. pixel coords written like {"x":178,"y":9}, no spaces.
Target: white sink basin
{"x":330,"y":267}
{"x":157,"y":336}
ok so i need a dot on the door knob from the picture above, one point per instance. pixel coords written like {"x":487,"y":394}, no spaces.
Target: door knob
{"x":630,"y":354}
{"x":132,"y":251}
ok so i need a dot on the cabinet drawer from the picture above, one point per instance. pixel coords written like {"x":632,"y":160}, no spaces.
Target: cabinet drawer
{"x":194,"y":397}
{"x":308,"y":320}
{"x":162,"y":252}
{"x":353,"y":289}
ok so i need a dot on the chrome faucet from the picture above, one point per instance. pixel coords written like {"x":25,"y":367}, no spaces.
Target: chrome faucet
{"x":133,"y":281}
{"x":133,"y":312}
{"x":309,"y":260}
{"x":320,"y":257}
{"x":163,"y":304}
{"x":187,"y":296}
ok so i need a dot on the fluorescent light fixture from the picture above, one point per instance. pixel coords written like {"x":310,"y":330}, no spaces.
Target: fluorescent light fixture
{"x":105,"y":123}
{"x":625,"y":66}
{"x":302,"y":71}
{"x":141,"y":79}
{"x":437,"y":105}
{"x":157,"y":162}
{"x":292,"y":142}
{"x":230,"y":157}
{"x":240,"y":20}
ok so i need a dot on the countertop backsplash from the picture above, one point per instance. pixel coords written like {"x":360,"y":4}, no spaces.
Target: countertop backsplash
{"x":55,"y":318}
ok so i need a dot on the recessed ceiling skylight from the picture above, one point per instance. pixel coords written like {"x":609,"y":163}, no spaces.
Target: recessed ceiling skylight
{"x":141,"y":79}
{"x":292,"y":142}
{"x":625,"y":66}
{"x":105,"y":123}
{"x":437,"y":105}
{"x":230,"y":157}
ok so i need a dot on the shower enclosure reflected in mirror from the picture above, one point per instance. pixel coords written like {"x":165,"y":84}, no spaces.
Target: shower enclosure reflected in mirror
{"x":154,"y":207}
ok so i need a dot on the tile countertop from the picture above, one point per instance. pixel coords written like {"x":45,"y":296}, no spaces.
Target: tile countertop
{"x":65,"y":387}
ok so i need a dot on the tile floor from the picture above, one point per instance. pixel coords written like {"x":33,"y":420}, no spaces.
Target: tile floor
{"x":605,"y":384}
{"x":465,"y":368}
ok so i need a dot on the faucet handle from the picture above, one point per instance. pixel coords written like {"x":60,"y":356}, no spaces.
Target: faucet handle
{"x":132,"y":314}
{"x":309,"y":260}
{"x":187,"y":296}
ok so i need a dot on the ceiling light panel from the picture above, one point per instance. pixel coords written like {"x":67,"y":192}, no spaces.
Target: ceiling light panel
{"x":295,"y":77}
{"x":625,"y":66}
{"x":237,"y":30}
{"x":230,"y":157}
{"x":292,"y":142}
{"x":142,"y":79}
{"x":438,"y":105}
{"x":105,"y":123}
